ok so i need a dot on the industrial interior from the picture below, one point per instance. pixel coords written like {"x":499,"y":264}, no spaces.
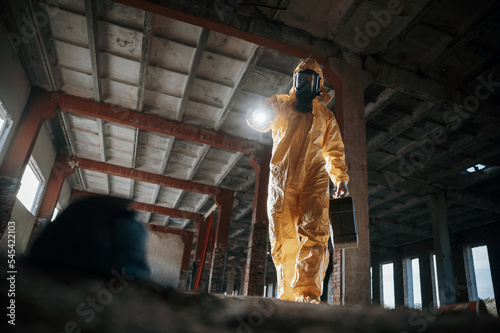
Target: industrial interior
{"x":147,"y":100}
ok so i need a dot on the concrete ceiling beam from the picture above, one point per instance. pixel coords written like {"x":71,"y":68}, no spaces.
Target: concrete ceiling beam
{"x":91,"y":18}
{"x":193,"y":70}
{"x":385,"y":98}
{"x":425,"y":88}
{"x":395,"y":182}
{"x":403,"y":228}
{"x":144,"y":62}
{"x":420,"y":112}
{"x":474,"y":201}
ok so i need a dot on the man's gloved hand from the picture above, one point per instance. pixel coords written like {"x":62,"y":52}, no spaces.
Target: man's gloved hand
{"x":342,"y":190}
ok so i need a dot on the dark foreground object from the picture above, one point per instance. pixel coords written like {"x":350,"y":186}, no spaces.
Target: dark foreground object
{"x":49,"y":301}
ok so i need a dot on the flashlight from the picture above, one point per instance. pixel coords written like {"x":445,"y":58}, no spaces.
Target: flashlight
{"x":261,"y":116}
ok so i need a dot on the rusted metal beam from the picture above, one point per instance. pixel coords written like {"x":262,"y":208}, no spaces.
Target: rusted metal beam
{"x":146,"y":122}
{"x":144,"y":176}
{"x":145,"y":207}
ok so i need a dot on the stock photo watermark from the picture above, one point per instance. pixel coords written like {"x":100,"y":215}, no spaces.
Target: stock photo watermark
{"x":11,"y":272}
{"x":372,"y":28}
{"x":30,"y":25}
{"x":255,"y":319}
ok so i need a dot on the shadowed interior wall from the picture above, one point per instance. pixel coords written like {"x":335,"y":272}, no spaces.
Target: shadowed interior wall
{"x":165,"y":257}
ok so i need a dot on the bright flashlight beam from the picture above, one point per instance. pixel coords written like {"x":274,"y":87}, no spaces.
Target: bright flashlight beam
{"x":261,"y":117}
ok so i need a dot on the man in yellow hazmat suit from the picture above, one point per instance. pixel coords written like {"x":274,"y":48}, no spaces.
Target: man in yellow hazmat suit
{"x":307,"y":148}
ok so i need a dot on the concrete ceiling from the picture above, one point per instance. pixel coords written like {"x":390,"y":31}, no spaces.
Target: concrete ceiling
{"x":427,"y":59}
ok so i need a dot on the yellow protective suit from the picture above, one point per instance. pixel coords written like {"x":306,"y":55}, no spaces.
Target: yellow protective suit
{"x":307,"y":148}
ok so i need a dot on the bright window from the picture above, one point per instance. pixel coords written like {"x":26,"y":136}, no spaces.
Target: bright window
{"x":31,"y":187}
{"x":388,"y":286}
{"x":482,"y":271}
{"x":417,"y":294}
{"x":436,"y":284}
{"x":54,"y":215}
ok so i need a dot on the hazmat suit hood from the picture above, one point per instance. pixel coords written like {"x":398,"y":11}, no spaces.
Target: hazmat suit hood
{"x":313,"y":65}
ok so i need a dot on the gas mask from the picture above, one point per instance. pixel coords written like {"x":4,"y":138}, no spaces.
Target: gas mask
{"x":307,"y":85}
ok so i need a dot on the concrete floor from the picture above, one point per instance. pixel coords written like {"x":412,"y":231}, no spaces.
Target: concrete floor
{"x":48,"y":301}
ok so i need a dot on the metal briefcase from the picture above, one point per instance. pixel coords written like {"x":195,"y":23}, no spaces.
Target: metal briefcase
{"x":343,"y":220}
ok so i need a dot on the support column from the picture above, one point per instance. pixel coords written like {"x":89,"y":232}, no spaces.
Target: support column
{"x":202,"y":226}
{"x":494,"y":257}
{"x":426,"y":285}
{"x":376,"y":283}
{"x":60,"y":170}
{"x":442,"y":248}
{"x":39,"y":109}
{"x":349,"y":81}
{"x":399,"y":287}
{"x":225,"y":203}
{"x":338,"y":277}
{"x":187,"y":238}
{"x":231,"y":274}
{"x":409,"y":300}
{"x":255,"y":275}
{"x":461,"y":287}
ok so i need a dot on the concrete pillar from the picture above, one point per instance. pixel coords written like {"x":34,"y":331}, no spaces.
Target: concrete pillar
{"x":231,"y":274}
{"x":442,"y":248}
{"x":461,"y":286}
{"x":399,"y":287}
{"x":494,"y":257}
{"x":408,"y":283}
{"x":376,"y":273}
{"x":470,"y":275}
{"x":426,"y":281}
{"x":349,"y":82}
{"x":255,"y":275}
{"x":39,"y":109}
{"x":224,"y":202}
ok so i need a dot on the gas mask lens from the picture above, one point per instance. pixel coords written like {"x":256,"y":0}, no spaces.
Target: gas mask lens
{"x":307,"y":83}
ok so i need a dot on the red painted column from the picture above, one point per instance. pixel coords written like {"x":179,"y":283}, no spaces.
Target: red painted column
{"x":60,"y":170}
{"x":39,"y":108}
{"x":255,"y":276}
{"x":224,"y":202}
{"x":202,"y":245}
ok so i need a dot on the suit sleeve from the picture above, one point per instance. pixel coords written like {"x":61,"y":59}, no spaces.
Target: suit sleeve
{"x":333,"y":150}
